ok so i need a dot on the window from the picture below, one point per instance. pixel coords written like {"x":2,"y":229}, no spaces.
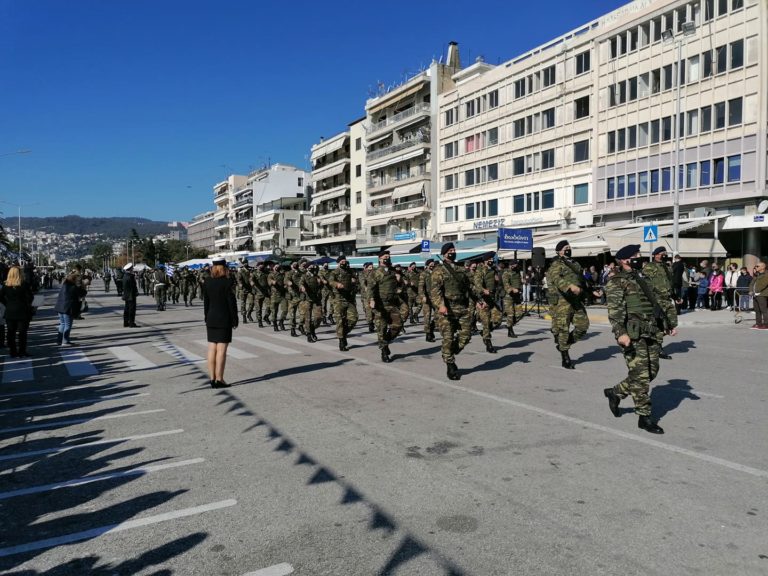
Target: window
{"x":451,"y":182}
{"x":709,"y":9}
{"x":493,"y":99}
{"x":581,"y":194}
{"x":450,"y":117}
{"x":518,"y":165}
{"x":643,"y":85}
{"x":610,"y":189}
{"x":690,"y":175}
{"x":722,"y":7}
{"x":620,"y":186}
{"x":582,"y":62}
{"x":666,"y":128}
{"x":666,"y":179}
{"x":706,"y":71}
{"x":704,"y":176}
{"x":358,"y":170}
{"x":581,"y":151}
{"x":734,"y":168}
{"x":493,"y":207}
{"x":622,"y":92}
{"x":548,"y":76}
{"x":611,"y":142}
{"x":656,"y":81}
{"x":654,"y":181}
{"x":667,"y":77}
{"x":681,"y":72}
{"x":693,"y":123}
{"x":469,"y":211}
{"x":719,"y":115}
{"x":493,"y":137}
{"x":547,"y":199}
{"x":706,"y":119}
{"x":290,"y":222}
{"x":737,"y":54}
{"x":642,"y":183}
{"x":518,"y":203}
{"x":301,"y":182}
{"x":737,"y":4}
{"x":582,"y":107}
{"x":719,"y":169}
{"x":469,"y":177}
{"x":693,"y":68}
{"x":721,"y":56}
{"x":358,"y":223}
{"x":548,"y":159}
{"x":631,"y":137}
{"x":642,"y":134}
{"x":358,"y":197}
{"x":655,"y":132}
{"x":631,"y":184}
{"x":471,"y":144}
{"x":613,"y":95}
{"x":734,"y":112}
{"x":519,"y":88}
{"x":493,"y":172}
{"x":519,"y":128}
{"x":451,"y":150}
{"x":621,"y":139}
{"x":358,"y":143}
{"x":548,"y":118}
{"x":632,"y":88}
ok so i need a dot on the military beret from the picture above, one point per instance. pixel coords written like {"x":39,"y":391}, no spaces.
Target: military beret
{"x":659,"y":250}
{"x":367,"y":264}
{"x":219,"y":262}
{"x":340,"y":258}
{"x":627,"y":252}
{"x":428,"y":262}
{"x":412,"y":264}
{"x":447,"y":246}
{"x":383,"y":253}
{"x":560,"y":245}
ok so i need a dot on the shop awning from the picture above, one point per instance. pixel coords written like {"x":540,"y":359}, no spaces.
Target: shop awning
{"x":408,"y":190}
{"x":327,"y":147}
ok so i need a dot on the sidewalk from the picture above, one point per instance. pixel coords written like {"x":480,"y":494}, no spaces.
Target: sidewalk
{"x":599,"y":315}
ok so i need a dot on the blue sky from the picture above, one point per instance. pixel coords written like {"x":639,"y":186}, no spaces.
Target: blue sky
{"x":137,"y":107}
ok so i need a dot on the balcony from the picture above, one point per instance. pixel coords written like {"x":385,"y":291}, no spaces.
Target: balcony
{"x":221,"y":224}
{"x":245,"y":218}
{"x":414,"y":113}
{"x":247,"y":201}
{"x":399,"y":207}
{"x":376,"y":184}
{"x":416,"y":140}
{"x":364,"y":237}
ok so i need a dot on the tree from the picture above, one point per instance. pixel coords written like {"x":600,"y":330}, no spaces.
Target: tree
{"x":102,"y":252}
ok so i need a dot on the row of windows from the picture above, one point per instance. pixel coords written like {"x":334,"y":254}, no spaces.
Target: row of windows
{"x":473,"y":107}
{"x":543,"y":160}
{"x":650,"y":32}
{"x":534,"y":123}
{"x":480,"y":209}
{"x":534,"y":82}
{"x":478,"y":175}
{"x":472,"y":143}
{"x":693,"y":122}
{"x":692,"y":175}
{"x":694,"y":69}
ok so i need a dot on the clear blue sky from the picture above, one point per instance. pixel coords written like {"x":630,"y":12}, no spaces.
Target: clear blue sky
{"x":137,"y":107}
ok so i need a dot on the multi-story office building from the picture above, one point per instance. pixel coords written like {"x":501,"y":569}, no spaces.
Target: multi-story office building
{"x":200,"y":231}
{"x":400,"y":161}
{"x":330,"y":206}
{"x":282,"y":223}
{"x":580,"y":137}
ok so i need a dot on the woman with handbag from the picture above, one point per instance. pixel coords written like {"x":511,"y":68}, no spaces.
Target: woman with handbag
{"x":17,"y":297}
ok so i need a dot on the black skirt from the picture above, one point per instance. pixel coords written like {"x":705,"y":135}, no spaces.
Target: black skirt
{"x":219,"y":335}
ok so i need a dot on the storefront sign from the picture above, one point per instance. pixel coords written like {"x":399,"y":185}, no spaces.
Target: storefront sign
{"x":485,"y":224}
{"x":515,"y":239}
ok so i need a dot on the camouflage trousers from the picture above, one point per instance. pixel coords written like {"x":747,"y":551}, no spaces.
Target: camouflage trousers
{"x":293,"y":311}
{"x":312,"y":313}
{"x":510,"y":312}
{"x":489,"y":317}
{"x":405,"y":311}
{"x":258,"y":305}
{"x":563,"y":315}
{"x":413,"y":304}
{"x":367,"y":309}
{"x":642,"y":358}
{"x":325,"y":295}
{"x":160,"y":295}
{"x":427,"y":312}
{"x":345,"y":315}
{"x":389,"y":323}
{"x":456,"y":324}
{"x":278,"y":303}
{"x":246,"y":303}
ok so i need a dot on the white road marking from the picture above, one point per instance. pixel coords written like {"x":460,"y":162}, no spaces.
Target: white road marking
{"x":87,"y":445}
{"x":277,"y":570}
{"x":133,"y":360}
{"x":140,"y":471}
{"x":77,"y":363}
{"x":179,"y":353}
{"x":17,"y":370}
{"x":111,"y":528}
{"x":236,"y":353}
{"x":55,"y":424}
{"x":54,"y":390}
{"x":266,"y":345}
{"x":696,"y":392}
{"x":93,"y":400}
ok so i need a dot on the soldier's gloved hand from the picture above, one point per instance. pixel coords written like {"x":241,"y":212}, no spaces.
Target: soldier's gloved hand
{"x":624,"y":340}
{"x":576,"y":290}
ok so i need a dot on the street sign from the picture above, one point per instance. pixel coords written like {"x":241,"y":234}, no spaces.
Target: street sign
{"x":651,"y":233}
{"x":515,"y":239}
{"x":405,"y":236}
{"x":425,"y":245}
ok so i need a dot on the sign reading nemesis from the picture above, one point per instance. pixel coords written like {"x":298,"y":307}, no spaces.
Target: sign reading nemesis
{"x":515,"y":239}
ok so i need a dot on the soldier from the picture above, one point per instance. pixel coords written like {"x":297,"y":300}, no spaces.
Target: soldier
{"x":276,"y":281}
{"x":244,"y":291}
{"x":119,"y":274}
{"x":425,"y":297}
{"x":130,"y":294}
{"x":343,"y":284}
{"x":293,"y":295}
{"x":174,"y":287}
{"x":412,"y":276}
{"x":160,"y":281}
{"x":311,"y":290}
{"x":260,"y":293}
{"x":402,"y":295}
{"x":473,"y":311}
{"x":384,"y":302}
{"x":365,"y":294}
{"x":197,"y":279}
{"x":326,"y":292}
{"x":660,"y":277}
{"x":565,"y":291}
{"x":485,"y":282}
{"x":631,"y":305}
{"x":512,"y":285}
{"x":450,"y":294}
{"x":107,"y":280}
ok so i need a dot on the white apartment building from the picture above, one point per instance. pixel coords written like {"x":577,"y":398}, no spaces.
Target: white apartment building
{"x":578,"y":137}
{"x":358,"y":176}
{"x":330,"y":206}
{"x":401,"y":160}
{"x":200,"y":232}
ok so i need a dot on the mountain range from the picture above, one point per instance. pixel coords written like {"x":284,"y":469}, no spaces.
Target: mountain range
{"x":112,"y":227}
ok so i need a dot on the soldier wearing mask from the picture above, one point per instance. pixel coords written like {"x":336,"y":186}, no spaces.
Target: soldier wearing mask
{"x":485,"y":284}
{"x":326,"y":292}
{"x":450,"y":295}
{"x":412,"y":276}
{"x":260,"y":294}
{"x":660,"y":278}
{"x":425,"y":297}
{"x":343,"y":285}
{"x":311,"y":290}
{"x":384,"y":302}
{"x":631,"y":304}
{"x":244,"y":294}
{"x":512,"y":285}
{"x":293,"y":295}
{"x":365,"y":294}
{"x":278,"y":303}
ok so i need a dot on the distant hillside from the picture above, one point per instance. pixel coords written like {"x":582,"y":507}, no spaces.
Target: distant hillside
{"x":110,"y":227}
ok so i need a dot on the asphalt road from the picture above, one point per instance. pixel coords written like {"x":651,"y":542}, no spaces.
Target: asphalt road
{"x":117,"y":458}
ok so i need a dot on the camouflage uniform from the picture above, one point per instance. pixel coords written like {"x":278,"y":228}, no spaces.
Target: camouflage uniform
{"x":245,"y":293}
{"x":450,"y":289}
{"x":278,"y":302}
{"x":160,"y":281}
{"x":293,"y":295}
{"x":344,"y":307}
{"x":566,"y":308}
{"x":365,"y":295}
{"x":402,"y":296}
{"x":487,"y":280}
{"x":412,"y":277}
{"x":311,"y":289}
{"x":425,"y":297}
{"x":260,"y":294}
{"x":512,"y":285}
{"x":383,"y":295}
{"x":660,"y":278}
{"x":326,"y":291}
{"x":174,"y":289}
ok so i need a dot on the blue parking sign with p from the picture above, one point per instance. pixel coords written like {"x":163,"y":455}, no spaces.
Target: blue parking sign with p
{"x":651,"y":233}
{"x":425,"y":245}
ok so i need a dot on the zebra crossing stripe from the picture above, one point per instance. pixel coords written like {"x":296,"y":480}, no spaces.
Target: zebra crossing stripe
{"x":77,"y":363}
{"x":236,"y":353}
{"x":17,"y":371}
{"x":133,"y":359}
{"x":266,"y":345}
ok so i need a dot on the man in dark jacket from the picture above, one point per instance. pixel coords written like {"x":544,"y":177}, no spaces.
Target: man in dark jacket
{"x":130,"y":294}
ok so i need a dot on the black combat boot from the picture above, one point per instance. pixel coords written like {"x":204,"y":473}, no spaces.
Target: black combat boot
{"x":282,"y":325}
{"x":267,"y":320}
{"x":331,"y":321}
{"x":489,"y":346}
{"x":511,"y":332}
{"x":309,"y":338}
{"x":261,"y":323}
{"x":302,"y":330}
{"x":343,"y":345}
{"x":371,"y":327}
{"x":385,"y":355}
{"x":293,"y":332}
{"x":250,"y":317}
{"x":664,"y":355}
{"x":613,"y":401}
{"x":567,"y":362}
{"x":649,"y":425}
{"x":245,"y":318}
{"x":453,"y":371}
{"x":276,"y":327}
{"x":430,"y":337}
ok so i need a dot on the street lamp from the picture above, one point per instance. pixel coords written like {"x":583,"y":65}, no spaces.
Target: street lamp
{"x":19,"y":206}
{"x":668,"y":37}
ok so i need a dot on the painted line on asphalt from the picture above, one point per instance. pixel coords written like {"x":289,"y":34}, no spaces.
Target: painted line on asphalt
{"x":266,"y":345}
{"x":57,"y":423}
{"x":179,"y":353}
{"x":93,"y":400}
{"x":140,"y":471}
{"x":17,"y":371}
{"x":694,"y":391}
{"x":77,"y":363}
{"x":17,"y":455}
{"x":132,"y":359}
{"x":282,"y":569}
{"x":56,"y":390}
{"x":112,"y":528}
{"x":236,"y":353}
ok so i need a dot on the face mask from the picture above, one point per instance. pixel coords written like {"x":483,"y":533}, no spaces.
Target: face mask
{"x":567,"y":253}
{"x":450,"y":256}
{"x":387,"y":262}
{"x":636,"y":263}
{"x":343,"y":265}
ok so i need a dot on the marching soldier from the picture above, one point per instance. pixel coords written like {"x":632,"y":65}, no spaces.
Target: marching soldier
{"x":365,"y":294}
{"x":512,"y":285}
{"x":276,"y":281}
{"x":385,"y":304}
{"x":244,"y":293}
{"x":107,"y":280}
{"x":402,"y":295}
{"x":260,"y":293}
{"x":119,"y":274}
{"x":160,"y":281}
{"x":412,"y":276}
{"x":311,"y":290}
{"x":450,"y":294}
{"x":327,"y":292}
{"x":343,"y":284}
{"x":293,"y":295}
{"x":631,"y":306}
{"x":173,"y":286}
{"x":660,"y":277}
{"x":565,"y":283}
{"x":486,"y":281}
{"x":425,"y":297}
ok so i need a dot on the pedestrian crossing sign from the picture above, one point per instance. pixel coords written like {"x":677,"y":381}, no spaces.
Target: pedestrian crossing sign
{"x":651,"y":233}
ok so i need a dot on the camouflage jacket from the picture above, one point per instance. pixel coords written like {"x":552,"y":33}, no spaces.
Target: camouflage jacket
{"x":629,"y":309}
{"x":311,"y":287}
{"x":345,"y":277}
{"x":485,"y":279}
{"x":511,"y":279}
{"x":659,"y":277}
{"x":562,"y":273}
{"x":450,"y":286}
{"x":383,"y":287}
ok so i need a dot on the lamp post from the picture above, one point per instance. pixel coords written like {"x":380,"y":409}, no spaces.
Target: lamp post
{"x":668,"y":37}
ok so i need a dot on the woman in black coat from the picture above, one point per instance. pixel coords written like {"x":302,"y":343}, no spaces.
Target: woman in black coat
{"x":17,"y":297}
{"x":220,"y":307}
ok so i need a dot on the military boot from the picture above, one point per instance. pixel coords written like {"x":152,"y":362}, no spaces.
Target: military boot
{"x":245,"y":318}
{"x":453,"y":371}
{"x":430,"y":337}
{"x":649,"y":425}
{"x":664,"y":355}
{"x":267,"y":320}
{"x":250,"y":317}
{"x":343,"y":345}
{"x":293,"y":332}
{"x":511,"y":332}
{"x":282,"y":325}
{"x":261,"y":323}
{"x":567,"y":362}
{"x":613,"y":401}
{"x":385,"y":357}
{"x":276,"y":327}
{"x":309,"y":338}
{"x":489,"y":346}
{"x":371,"y":327}
{"x":302,"y":329}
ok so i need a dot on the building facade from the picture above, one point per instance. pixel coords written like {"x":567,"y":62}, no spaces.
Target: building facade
{"x":582,"y":133}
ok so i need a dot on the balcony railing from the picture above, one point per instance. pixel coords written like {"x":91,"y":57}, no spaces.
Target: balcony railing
{"x":387,"y":180}
{"x":365,"y":237}
{"x":244,"y":202}
{"x":221,"y":223}
{"x":410,"y":143}
{"x":321,"y":235}
{"x":413,"y":111}
{"x":326,"y":211}
{"x":387,"y":208}
{"x":247,"y":218}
